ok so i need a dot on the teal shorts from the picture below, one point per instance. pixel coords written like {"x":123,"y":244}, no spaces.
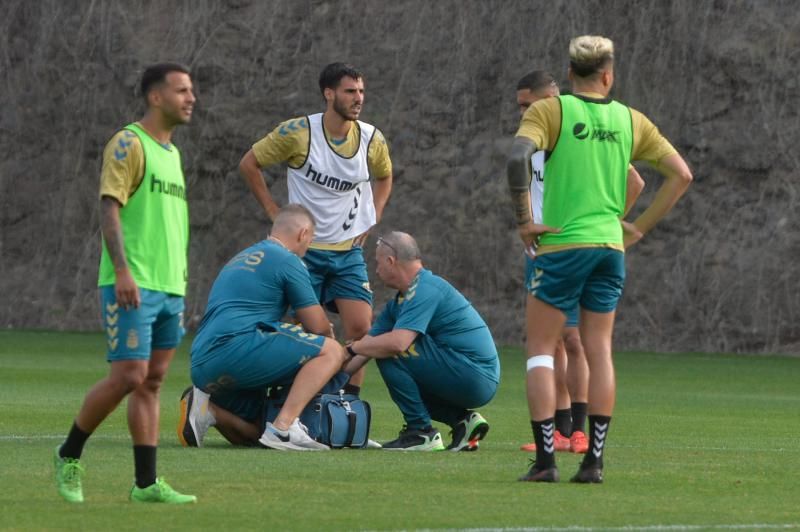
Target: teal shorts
{"x":132,"y":334}
{"x":572,"y":314}
{"x":590,"y":277}
{"x":430,"y":381}
{"x":269,"y":355}
{"x":338,"y":275}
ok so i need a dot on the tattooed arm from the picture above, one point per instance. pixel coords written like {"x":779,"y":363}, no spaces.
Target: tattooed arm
{"x":124,"y":286}
{"x":519,"y":182}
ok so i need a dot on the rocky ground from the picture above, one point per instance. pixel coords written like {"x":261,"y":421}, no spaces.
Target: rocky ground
{"x":719,"y":79}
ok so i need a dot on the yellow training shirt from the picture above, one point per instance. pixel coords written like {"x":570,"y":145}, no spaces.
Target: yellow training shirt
{"x":290,"y":140}
{"x":541,"y":123}
{"x":123,"y":166}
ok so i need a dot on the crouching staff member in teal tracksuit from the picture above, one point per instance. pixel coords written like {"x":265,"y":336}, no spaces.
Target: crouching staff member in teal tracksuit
{"x":433,"y":349}
{"x":242,"y":347}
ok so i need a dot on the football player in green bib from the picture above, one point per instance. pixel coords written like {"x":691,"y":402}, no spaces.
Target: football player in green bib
{"x":142,"y":281}
{"x":581,"y":238}
{"x":571,"y":369}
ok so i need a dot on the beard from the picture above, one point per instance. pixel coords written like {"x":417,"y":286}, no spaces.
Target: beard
{"x":345,"y":112}
{"x":175,"y":116}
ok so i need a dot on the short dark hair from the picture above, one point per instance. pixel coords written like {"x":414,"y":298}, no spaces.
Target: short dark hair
{"x":156,"y":74}
{"x":533,"y":81}
{"x":332,"y":74}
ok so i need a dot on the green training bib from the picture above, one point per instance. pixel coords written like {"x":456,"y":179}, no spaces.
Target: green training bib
{"x":155,"y":222}
{"x":586,"y":174}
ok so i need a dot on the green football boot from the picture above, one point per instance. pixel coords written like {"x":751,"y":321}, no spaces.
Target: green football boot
{"x":160,"y":491}
{"x":69,"y":472}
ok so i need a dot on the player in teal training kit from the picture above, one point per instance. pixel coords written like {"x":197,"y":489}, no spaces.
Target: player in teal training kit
{"x":245,"y":307}
{"x":435,"y":353}
{"x":242,"y":346}
{"x":145,"y":227}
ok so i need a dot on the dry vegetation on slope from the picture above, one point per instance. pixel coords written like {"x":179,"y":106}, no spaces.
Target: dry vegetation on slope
{"x":719,"y":79}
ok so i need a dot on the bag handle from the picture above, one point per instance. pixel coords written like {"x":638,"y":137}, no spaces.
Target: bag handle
{"x":351,"y":423}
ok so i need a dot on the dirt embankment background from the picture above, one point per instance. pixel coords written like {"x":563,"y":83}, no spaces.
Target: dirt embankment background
{"x":718,"y":78}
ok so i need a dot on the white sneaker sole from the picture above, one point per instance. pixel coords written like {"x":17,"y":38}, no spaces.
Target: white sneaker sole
{"x":289,"y":446}
{"x":196,"y":406}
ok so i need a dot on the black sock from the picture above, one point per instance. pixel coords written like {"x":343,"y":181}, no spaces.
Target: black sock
{"x":352,"y":388}
{"x":564,"y":422}
{"x":598,"y":431}
{"x":144,"y":459}
{"x":73,"y":446}
{"x":544,"y":432}
{"x":578,"y":417}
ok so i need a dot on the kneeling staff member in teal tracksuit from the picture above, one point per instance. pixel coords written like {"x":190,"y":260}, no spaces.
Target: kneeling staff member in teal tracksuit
{"x":433,"y":349}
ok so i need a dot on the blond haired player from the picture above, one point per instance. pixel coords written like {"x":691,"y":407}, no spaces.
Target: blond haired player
{"x":570,"y":367}
{"x":581,"y":239}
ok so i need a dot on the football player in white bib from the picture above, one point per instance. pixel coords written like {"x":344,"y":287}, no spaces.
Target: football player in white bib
{"x":339,"y":169}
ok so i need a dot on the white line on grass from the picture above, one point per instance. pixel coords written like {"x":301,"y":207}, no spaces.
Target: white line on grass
{"x":24,"y":437}
{"x":628,"y":528}
{"x":705,"y":448}
{"x":18,"y":437}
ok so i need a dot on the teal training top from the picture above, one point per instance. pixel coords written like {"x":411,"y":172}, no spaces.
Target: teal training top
{"x":257,"y":286}
{"x":431,"y":306}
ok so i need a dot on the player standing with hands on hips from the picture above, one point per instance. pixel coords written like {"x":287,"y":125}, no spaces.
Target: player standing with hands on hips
{"x":581,"y":242}
{"x":339,"y":169}
{"x":570,"y":367}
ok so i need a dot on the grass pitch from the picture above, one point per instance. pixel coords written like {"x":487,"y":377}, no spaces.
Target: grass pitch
{"x":697,"y":442}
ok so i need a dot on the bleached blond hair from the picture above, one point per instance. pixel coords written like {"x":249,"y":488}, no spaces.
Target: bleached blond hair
{"x":590,"y":53}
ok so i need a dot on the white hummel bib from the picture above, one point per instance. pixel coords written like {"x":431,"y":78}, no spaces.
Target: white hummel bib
{"x":537,"y":185}
{"x":335,"y":189}
{"x":537,"y":189}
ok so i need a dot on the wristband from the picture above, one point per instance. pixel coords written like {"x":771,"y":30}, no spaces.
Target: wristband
{"x":350,"y":351}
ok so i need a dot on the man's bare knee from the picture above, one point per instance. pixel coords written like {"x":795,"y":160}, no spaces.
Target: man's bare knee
{"x":357,"y":329}
{"x":128,"y":380}
{"x":572,"y":342}
{"x":332,"y":349}
{"x":152,"y":384}
{"x":356,"y":318}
